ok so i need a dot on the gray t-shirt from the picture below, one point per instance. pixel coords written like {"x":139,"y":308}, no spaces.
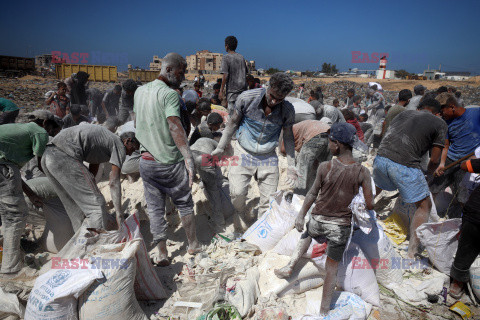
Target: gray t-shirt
{"x":126,"y":101}
{"x":317,"y":105}
{"x":234,"y":65}
{"x":410,"y":135}
{"x":111,"y":101}
{"x":333,"y":113}
{"x":414,"y":102}
{"x":91,"y":143}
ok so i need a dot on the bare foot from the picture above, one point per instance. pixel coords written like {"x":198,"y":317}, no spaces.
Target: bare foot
{"x":324,"y":313}
{"x":284,"y":272}
{"x":194,"y":248}
{"x":159,"y":255}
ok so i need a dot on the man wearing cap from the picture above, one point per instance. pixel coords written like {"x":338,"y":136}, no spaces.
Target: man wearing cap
{"x":20,"y":142}
{"x":463,"y":137}
{"x":398,"y":165}
{"x":336,"y":184}
{"x":419,"y":91}
{"x":259,"y":116}
{"x":8,"y":111}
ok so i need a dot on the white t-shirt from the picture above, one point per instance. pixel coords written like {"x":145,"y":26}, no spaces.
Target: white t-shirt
{"x":379,"y":86}
{"x":301,"y":107}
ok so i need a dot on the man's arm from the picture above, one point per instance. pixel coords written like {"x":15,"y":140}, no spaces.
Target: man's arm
{"x":311,"y":196}
{"x":441,"y":167}
{"x":289,"y":143}
{"x":50,"y":99}
{"x":34,"y":198}
{"x":436,"y":154}
{"x":116,"y":193}
{"x":367,"y":189}
{"x":227,"y":135}
{"x":181,"y":141}
{"x":222,"y":87}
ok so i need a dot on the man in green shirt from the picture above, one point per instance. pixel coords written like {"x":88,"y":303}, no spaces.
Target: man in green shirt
{"x":8,"y":111}
{"x":19,"y":142}
{"x":404,"y":97}
{"x":166,"y":166}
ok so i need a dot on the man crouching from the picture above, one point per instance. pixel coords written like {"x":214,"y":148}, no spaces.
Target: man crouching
{"x":335,"y":186}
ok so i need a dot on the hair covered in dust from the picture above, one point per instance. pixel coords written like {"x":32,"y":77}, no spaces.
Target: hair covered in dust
{"x":172,"y":60}
{"x":282,"y":83}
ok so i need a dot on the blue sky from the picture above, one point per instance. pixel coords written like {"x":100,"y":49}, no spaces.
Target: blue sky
{"x":298,"y":35}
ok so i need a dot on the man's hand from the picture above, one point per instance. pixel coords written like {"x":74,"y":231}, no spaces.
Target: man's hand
{"x":220,"y":95}
{"x":299,"y":222}
{"x":440,"y":170}
{"x":36,"y":200}
{"x":217,"y":152}
{"x":191,"y":171}
{"x":292,"y":176}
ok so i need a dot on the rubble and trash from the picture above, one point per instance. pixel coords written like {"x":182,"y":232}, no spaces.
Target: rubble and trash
{"x":10,"y":306}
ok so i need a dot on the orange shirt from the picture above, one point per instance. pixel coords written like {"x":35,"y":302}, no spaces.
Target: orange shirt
{"x":304,"y":131}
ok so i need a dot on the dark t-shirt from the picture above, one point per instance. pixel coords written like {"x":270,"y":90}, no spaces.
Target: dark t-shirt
{"x":410,"y":135}
{"x":234,"y":65}
{"x":471,"y":211}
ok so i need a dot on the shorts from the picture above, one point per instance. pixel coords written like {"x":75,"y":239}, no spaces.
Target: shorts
{"x":390,"y":176}
{"x":337,"y":236}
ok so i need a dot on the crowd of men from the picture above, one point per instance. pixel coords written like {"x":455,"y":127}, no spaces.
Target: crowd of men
{"x":171,"y":134}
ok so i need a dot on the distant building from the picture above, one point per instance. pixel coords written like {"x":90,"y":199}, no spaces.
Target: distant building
{"x":156,"y":64}
{"x":251,"y":65}
{"x":206,"y":61}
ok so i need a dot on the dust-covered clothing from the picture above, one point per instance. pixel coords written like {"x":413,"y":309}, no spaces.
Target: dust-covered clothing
{"x":201,"y":131}
{"x":317,"y":105}
{"x":337,"y":236}
{"x":313,"y":152}
{"x":212,"y":179}
{"x":94,"y":101}
{"x":111,"y":101}
{"x":414,"y":102}
{"x":337,"y":190}
{"x":91,"y":143}
{"x":59,"y":105}
{"x":76,"y":187}
{"x":154,"y":103}
{"x":13,"y":212}
{"x":392,"y":113}
{"x":132,"y":163}
{"x":377,"y":96}
{"x":233,"y":64}
{"x":20,"y":142}
{"x":68,"y":121}
{"x":258,"y":133}
{"x":160,"y":180}
{"x":410,"y":135}
{"x":332,"y":113}
{"x":303,"y":132}
{"x":125,"y":108}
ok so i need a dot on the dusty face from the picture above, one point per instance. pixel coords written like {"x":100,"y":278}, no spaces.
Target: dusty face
{"x":273,"y":97}
{"x":214,"y":127}
{"x":333,"y":146}
{"x":175,"y":76}
{"x":130,"y":146}
{"x":62,"y":91}
{"x":205,"y":113}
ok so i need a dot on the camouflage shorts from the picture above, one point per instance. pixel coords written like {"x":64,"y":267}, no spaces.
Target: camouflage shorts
{"x":336,"y":235}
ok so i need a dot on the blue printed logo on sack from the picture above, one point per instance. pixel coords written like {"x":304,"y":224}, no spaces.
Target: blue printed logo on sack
{"x":263,"y":230}
{"x":59,"y":278}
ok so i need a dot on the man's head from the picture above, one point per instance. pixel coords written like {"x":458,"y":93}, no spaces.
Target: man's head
{"x":374,"y":87}
{"x":350,"y":92}
{"x":341,"y":138}
{"x":61,"y":88}
{"x":314,"y":95}
{"x":250,"y":81}
{"x":363,"y":117}
{"x":111,"y":124}
{"x":196,"y":86}
{"x":214,"y":121}
{"x":370,"y":92}
{"x":430,"y":105}
{"x":173,"y":69}
{"x":216,"y":88}
{"x":130,"y":87}
{"x":130,"y":142}
{"x":204,"y":106}
{"x":82,"y":77}
{"x":231,"y":43}
{"x":76,"y":110}
{"x":419,"y":90}
{"x":46,"y":120}
{"x":280,"y":86}
{"x":117,"y":89}
{"x":336,"y":103}
{"x":442,"y":89}
{"x":348,"y":114}
{"x":357,"y":100}
{"x":449,"y":106}
{"x":404,"y":96}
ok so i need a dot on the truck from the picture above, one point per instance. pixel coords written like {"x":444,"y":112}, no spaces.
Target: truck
{"x":96,"y":72}
{"x":16,"y":66}
{"x":143,"y":75}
